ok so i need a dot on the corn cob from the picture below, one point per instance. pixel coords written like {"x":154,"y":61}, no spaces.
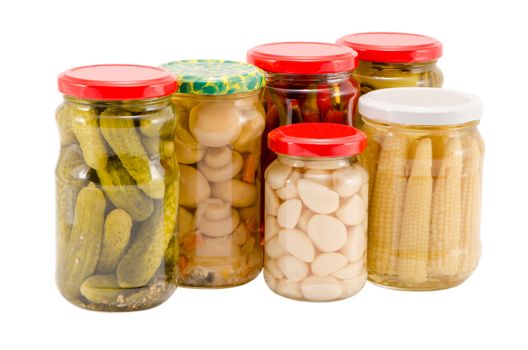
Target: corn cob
{"x":86,"y":129}
{"x":387,"y":205}
{"x":445,"y":222}
{"x":469,"y":235}
{"x":414,"y":237}
{"x":119,"y":131}
{"x":369,"y":158}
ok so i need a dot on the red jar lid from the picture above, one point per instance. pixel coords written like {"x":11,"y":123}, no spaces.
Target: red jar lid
{"x":117,"y":82}
{"x":317,"y":140}
{"x":303,"y":58}
{"x":393,"y":47}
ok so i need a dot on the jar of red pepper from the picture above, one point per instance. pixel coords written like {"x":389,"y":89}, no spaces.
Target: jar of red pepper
{"x":306,"y":82}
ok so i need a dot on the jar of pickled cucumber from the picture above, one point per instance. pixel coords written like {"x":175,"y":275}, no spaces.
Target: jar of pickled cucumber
{"x":117,"y":187}
{"x":306,"y":82}
{"x":316,"y":199}
{"x":217,"y":144}
{"x":424,"y":160}
{"x":389,"y":60}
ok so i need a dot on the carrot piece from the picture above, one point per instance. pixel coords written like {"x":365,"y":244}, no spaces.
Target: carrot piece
{"x":249,"y":168}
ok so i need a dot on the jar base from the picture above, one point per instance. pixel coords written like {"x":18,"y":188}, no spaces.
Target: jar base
{"x":212,"y":284}
{"x":432,"y":284}
{"x":144,"y":299}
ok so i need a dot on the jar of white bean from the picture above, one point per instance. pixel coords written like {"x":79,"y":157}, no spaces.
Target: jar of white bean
{"x":316,"y":200}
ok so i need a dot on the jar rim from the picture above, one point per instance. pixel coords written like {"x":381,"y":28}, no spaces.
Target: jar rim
{"x":116,"y":82}
{"x":393,"y":46}
{"x":317,"y":140}
{"x":302,"y":57}
{"x":420,"y":106}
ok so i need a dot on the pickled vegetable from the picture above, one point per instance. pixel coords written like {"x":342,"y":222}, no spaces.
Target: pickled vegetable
{"x":407,"y":249}
{"x":218,"y":145}
{"x":117,"y":188}
{"x":84,"y":244}
{"x":122,"y":191}
{"x":145,"y":253}
{"x":116,"y":236}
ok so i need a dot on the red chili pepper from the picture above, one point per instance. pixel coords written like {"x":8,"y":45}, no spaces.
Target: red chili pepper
{"x":310,"y":110}
{"x":272,"y":118}
{"x":334,"y":116}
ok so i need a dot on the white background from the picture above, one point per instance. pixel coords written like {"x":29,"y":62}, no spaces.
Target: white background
{"x":485,"y":52}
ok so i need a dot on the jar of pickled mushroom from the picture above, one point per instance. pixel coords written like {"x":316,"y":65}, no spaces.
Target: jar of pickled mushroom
{"x":117,"y":187}
{"x":389,"y":60}
{"x":306,"y":82}
{"x":316,"y":199}
{"x":424,"y":160}
{"x":218,"y":141}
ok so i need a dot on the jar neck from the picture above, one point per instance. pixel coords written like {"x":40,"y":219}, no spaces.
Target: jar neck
{"x":274,"y":79}
{"x":145,"y":104}
{"x":385,"y":127}
{"x":323,"y":163}
{"x":402,"y":66}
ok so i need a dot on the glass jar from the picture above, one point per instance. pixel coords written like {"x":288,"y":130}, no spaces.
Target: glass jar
{"x":316,"y":198}
{"x":218,"y":141}
{"x":306,"y":82}
{"x":424,"y":160}
{"x":117,"y":188}
{"x":388,"y":60}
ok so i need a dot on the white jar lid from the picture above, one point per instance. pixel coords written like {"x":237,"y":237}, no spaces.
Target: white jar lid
{"x":420,"y":106}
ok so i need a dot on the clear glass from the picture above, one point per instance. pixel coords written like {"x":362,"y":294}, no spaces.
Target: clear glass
{"x":218,"y":140}
{"x":117,"y":189}
{"x":298,"y":98}
{"x":316,"y":227}
{"x":424,"y":211}
{"x":382,"y":75}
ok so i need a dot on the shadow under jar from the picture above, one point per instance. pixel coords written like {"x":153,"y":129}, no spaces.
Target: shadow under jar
{"x":388,"y":60}
{"x":218,"y":142}
{"x":425,"y":166}
{"x":316,"y":199}
{"x":117,"y":188}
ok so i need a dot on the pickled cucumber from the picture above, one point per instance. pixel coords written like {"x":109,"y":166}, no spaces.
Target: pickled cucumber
{"x":115,"y":239}
{"x":159,"y":123}
{"x":170,"y":210}
{"x":86,"y":129}
{"x":71,"y":176}
{"x":84,"y":245}
{"x":120,"y":133}
{"x":102,"y":289}
{"x":155,"y":188}
{"x":64,"y":122}
{"x":121,"y":189}
{"x":155,"y":146}
{"x":145,"y":253}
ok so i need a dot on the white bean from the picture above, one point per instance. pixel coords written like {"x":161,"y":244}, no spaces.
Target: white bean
{"x":274,"y":249}
{"x":321,"y":176}
{"x":317,"y":197}
{"x":347,"y":181}
{"x":297,"y":244}
{"x":327,"y":233}
{"x":289,"y":289}
{"x":289,"y":212}
{"x":271,"y":228}
{"x":293,"y":268}
{"x":321,"y":288}
{"x":353,"y":211}
{"x":273,"y":268}
{"x":276,"y":174}
{"x":271,"y":200}
{"x":355,"y":244}
{"x":350,"y":271}
{"x":328,"y":263}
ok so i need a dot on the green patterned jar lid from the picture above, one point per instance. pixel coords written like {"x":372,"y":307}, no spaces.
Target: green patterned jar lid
{"x":216,"y":77}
